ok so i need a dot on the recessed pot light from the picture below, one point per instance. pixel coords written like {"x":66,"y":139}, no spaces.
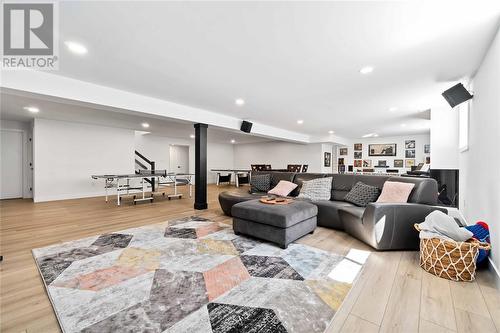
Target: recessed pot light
{"x":32,"y":109}
{"x":331,"y":132}
{"x":300,"y":121}
{"x":403,"y":125}
{"x":75,"y":47}
{"x":145,"y":125}
{"x":192,"y":136}
{"x":239,"y":101}
{"x":393,"y":108}
{"x":366,"y":70}
{"x":233,"y":141}
{"x":375,"y":135}
{"x":370,"y":135}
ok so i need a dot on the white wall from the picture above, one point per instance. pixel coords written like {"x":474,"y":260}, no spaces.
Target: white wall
{"x":479,"y":176}
{"x":279,"y":155}
{"x":444,"y":138}
{"x":420,"y":141}
{"x":27,"y":132}
{"x":66,"y":154}
{"x":156,"y":148}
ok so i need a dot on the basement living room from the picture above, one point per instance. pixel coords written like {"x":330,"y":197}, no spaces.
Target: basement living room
{"x":250,"y":166}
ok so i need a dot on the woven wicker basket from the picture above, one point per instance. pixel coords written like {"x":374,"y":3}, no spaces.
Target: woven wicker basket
{"x":449,"y":259}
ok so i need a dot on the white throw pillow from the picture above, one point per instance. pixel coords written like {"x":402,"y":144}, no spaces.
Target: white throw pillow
{"x":316,"y":189}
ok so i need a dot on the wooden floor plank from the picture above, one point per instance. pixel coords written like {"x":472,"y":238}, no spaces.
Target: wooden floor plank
{"x":355,"y":324}
{"x":403,"y":307}
{"x":428,"y":327}
{"x":437,"y":303}
{"x":25,"y":307}
{"x":372,"y":302}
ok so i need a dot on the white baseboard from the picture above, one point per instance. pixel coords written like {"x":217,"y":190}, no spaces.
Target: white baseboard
{"x":495,"y":268}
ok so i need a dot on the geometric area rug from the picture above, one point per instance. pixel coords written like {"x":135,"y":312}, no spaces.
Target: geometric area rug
{"x":192,"y":275}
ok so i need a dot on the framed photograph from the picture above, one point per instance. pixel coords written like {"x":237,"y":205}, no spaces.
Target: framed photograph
{"x":367,"y":163}
{"x":358,"y":146}
{"x":382,"y":163}
{"x":410,"y":153}
{"x":409,"y":163}
{"x":427,"y":149}
{"x":385,"y":149}
{"x":341,"y":161}
{"x":358,"y":163}
{"x":343,"y":151}
{"x":427,"y":160}
{"x":358,"y":155}
{"x":410,"y":144}
{"x":328,"y":159}
{"x":398,"y":163}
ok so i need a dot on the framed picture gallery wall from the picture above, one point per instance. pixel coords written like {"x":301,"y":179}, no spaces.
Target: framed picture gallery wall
{"x":382,"y":149}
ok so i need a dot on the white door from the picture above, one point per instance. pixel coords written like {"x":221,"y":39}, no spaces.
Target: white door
{"x":11,"y":165}
{"x":179,"y":159}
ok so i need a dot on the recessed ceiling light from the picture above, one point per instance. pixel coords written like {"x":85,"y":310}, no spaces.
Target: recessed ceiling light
{"x":403,"y":125}
{"x":76,"y":47}
{"x":393,"y":108}
{"x":32,"y":109}
{"x":192,"y":136}
{"x":366,"y":70}
{"x":331,"y":132}
{"x":239,"y":101}
{"x":145,"y":125}
{"x":370,"y":135}
{"x":233,"y":141}
{"x":300,"y":121}
{"x":375,"y":135}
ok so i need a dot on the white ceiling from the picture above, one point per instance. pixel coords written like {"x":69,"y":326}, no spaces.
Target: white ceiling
{"x":12,"y":109}
{"x":288,"y":60}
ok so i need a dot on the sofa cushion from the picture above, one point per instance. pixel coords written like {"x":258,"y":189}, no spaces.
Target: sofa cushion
{"x":277,"y":176}
{"x":354,"y":210}
{"x":281,"y":216}
{"x":395,"y":192}
{"x":302,"y":177}
{"x":342,"y":184}
{"x":283,"y":189}
{"x":424,"y":192}
{"x":260,"y":183}
{"x":316,"y":189}
{"x":328,"y":213}
{"x":362,"y":194}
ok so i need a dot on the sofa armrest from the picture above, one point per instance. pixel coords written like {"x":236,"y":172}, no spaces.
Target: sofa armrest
{"x":391,"y":224}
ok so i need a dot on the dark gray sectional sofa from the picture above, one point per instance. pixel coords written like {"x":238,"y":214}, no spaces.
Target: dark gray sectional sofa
{"x":384,"y":226}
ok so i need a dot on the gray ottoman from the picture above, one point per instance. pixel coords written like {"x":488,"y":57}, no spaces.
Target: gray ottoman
{"x":280,"y":224}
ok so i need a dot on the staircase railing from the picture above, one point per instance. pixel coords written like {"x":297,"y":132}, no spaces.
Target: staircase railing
{"x":141,"y":161}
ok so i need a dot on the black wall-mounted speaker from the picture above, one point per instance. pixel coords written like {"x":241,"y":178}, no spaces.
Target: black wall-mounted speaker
{"x":456,"y":95}
{"x":246,"y":126}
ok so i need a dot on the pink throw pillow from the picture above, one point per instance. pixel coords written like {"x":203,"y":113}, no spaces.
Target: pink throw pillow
{"x":283,"y":188}
{"x":395,"y":192}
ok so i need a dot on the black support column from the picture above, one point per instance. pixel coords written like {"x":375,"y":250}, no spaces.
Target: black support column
{"x":200,"y":166}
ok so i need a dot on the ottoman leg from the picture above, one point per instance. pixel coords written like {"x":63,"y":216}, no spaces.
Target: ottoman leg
{"x":312,"y":232}
{"x":284,"y":247}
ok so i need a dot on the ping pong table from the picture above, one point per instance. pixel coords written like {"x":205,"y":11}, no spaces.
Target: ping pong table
{"x":122,"y":183}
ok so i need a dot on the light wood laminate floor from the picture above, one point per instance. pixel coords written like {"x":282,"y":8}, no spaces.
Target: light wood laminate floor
{"x":391,"y":294}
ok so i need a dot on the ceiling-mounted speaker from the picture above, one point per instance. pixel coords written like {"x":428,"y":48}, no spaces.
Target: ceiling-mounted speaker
{"x":456,"y":95}
{"x":246,"y":126}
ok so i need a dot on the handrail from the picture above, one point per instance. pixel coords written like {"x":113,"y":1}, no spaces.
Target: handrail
{"x":143,"y":157}
{"x":139,"y":163}
{"x":152,"y":165}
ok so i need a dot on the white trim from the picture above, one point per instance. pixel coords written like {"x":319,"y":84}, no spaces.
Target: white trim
{"x":495,"y":268}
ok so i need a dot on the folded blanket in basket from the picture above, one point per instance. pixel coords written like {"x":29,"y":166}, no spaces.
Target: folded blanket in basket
{"x":439,"y":225}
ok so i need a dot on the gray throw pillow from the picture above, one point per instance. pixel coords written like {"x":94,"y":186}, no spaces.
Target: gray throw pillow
{"x":260,"y":183}
{"x":362,"y":194}
{"x":316,"y":189}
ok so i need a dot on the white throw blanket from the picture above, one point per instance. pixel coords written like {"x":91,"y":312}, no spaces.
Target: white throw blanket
{"x":439,"y":225}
